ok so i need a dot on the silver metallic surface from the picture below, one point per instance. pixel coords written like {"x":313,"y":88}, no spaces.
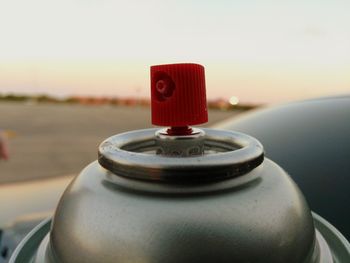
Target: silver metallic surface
{"x":28,"y":248}
{"x":13,"y":234}
{"x":337,"y":243}
{"x":238,"y":207}
{"x":264,"y":220}
{"x":180,"y":145}
{"x":331,"y":246}
{"x":324,"y":254}
{"x":227,"y":154}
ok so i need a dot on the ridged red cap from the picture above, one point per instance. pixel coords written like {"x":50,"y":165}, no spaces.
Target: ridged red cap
{"x":178,"y":95}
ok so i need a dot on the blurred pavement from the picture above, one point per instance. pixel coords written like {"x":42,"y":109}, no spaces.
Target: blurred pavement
{"x":55,"y":140}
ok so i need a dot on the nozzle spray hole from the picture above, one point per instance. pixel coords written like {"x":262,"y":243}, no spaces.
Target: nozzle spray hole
{"x":163,"y":86}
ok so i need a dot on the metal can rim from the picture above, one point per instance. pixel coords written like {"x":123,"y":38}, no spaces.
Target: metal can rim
{"x":122,"y":155}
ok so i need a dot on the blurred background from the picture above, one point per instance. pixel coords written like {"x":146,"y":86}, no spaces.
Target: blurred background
{"x":75,"y":72}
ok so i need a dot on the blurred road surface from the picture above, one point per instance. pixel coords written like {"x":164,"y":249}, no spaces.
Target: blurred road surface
{"x":55,"y":140}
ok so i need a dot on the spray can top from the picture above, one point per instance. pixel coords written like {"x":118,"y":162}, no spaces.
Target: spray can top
{"x":178,"y":101}
{"x":155,"y":193}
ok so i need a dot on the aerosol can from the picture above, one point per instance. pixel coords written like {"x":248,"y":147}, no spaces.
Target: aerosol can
{"x":181,"y":195}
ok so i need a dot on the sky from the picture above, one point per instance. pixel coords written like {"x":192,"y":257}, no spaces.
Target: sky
{"x":260,"y":51}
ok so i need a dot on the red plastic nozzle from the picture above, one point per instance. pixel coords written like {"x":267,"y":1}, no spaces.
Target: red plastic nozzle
{"x":178,"y":95}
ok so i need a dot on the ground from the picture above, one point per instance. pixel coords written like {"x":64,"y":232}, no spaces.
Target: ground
{"x":54,"y":140}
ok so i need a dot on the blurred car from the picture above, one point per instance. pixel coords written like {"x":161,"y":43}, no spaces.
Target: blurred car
{"x":310,"y":140}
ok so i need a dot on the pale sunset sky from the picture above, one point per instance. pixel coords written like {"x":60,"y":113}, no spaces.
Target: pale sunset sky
{"x":259,"y":51}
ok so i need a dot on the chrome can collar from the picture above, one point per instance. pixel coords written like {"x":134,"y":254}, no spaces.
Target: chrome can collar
{"x":227,"y":154}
